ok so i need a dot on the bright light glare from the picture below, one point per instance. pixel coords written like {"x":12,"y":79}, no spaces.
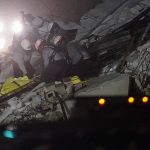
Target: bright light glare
{"x":145,"y":99}
{"x":17,"y":27}
{"x":101,"y":101}
{"x":131,"y":100}
{"x":2,"y":43}
{"x":1,"y":26}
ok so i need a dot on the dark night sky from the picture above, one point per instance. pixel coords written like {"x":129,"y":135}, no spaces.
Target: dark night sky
{"x":70,"y":10}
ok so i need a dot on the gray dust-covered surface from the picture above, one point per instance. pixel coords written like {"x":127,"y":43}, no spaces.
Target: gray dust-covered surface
{"x":110,"y":85}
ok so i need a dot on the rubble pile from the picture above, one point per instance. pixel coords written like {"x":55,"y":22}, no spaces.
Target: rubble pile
{"x":138,"y":64}
{"x":102,"y":26}
{"x":111,"y":51}
{"x":116,"y":39}
{"x":41,"y":103}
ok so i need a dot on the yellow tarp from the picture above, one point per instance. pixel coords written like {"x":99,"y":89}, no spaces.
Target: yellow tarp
{"x":12,"y":84}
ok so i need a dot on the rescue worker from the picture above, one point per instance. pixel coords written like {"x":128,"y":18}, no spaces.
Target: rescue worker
{"x":55,"y":61}
{"x":22,"y":56}
{"x":43,"y":51}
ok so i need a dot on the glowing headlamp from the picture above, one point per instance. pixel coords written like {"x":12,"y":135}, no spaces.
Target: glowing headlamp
{"x":2,"y":43}
{"x":1,"y":26}
{"x":17,"y":27}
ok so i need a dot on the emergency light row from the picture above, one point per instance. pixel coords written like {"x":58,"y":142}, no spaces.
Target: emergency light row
{"x":130,"y":100}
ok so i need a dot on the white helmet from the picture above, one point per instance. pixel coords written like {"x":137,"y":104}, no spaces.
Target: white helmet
{"x":26,"y":45}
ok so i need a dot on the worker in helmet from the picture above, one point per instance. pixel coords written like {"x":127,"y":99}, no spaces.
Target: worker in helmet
{"x":55,"y":60}
{"x":22,"y":56}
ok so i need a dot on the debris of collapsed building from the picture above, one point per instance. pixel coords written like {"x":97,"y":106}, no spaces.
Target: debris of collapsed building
{"x":121,"y":15}
{"x":138,"y":66}
{"x":44,"y":102}
{"x":122,"y":50}
{"x":119,"y":40}
{"x":112,"y":52}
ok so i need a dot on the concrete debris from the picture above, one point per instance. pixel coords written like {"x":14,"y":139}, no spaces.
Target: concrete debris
{"x":38,"y":104}
{"x":107,"y":70}
{"x":147,"y":90}
{"x":138,"y":64}
{"x":42,"y":102}
{"x":138,"y":83}
{"x":111,"y":68}
{"x":106,"y":85}
{"x":54,"y":116}
{"x":110,"y":22}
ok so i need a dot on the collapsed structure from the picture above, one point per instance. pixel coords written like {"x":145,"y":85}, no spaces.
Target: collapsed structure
{"x":121,"y":47}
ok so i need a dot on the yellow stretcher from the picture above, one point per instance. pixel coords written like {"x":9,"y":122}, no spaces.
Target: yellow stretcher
{"x":15,"y":85}
{"x":78,"y":83}
{"x":12,"y":84}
